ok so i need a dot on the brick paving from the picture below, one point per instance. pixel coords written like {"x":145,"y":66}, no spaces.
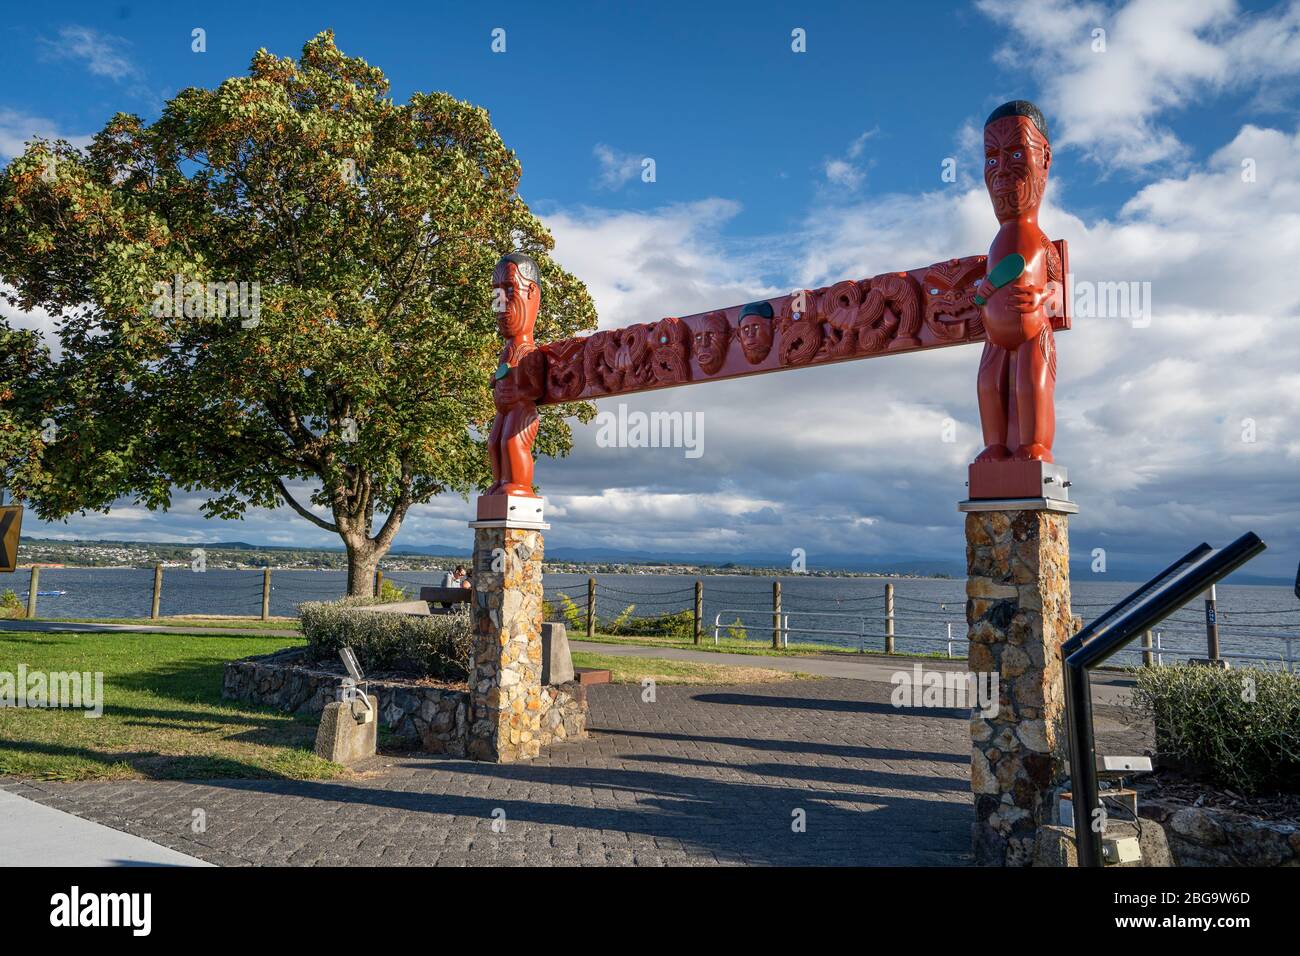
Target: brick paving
{"x":702,"y":776}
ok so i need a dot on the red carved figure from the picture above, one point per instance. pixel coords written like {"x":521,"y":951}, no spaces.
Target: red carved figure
{"x":520,"y":379}
{"x":1017,"y":375}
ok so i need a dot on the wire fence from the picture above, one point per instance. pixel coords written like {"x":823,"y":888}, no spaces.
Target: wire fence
{"x":786,"y":613}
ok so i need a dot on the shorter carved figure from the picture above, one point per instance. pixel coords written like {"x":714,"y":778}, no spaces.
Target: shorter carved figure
{"x":755,"y":331}
{"x":520,"y":378}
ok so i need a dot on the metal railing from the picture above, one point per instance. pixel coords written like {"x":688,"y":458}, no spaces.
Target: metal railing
{"x":1287,"y":658}
{"x":860,"y":632}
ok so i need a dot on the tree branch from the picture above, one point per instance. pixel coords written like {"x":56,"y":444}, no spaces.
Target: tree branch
{"x":289,"y":500}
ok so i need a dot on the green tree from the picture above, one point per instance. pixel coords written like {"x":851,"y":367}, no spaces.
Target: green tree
{"x":356,"y":356}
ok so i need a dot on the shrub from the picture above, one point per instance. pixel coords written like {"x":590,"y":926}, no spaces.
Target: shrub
{"x":439,"y":645}
{"x":1237,"y":728}
{"x":390,"y":592}
{"x":10,"y":606}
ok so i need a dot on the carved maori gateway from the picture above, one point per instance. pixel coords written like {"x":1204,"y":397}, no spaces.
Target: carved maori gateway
{"x":894,"y":312}
{"x":1017,"y":548}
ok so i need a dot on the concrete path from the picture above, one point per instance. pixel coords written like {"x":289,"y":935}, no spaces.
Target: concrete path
{"x":32,"y":834}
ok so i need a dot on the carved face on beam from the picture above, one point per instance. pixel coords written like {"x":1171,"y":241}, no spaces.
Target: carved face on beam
{"x":1017,"y":157}
{"x":516,"y":294}
{"x":711,"y":342}
{"x":950,"y":309}
{"x":756,"y":331}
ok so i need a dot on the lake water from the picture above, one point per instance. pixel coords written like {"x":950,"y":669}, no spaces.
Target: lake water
{"x":1252,"y":619}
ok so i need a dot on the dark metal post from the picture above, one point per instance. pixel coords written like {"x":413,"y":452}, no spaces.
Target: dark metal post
{"x":1212,"y":624}
{"x":889,"y":618}
{"x":776,"y":615}
{"x":699,"y":608}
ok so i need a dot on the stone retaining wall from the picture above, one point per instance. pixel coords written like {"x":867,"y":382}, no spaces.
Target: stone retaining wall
{"x":1201,"y":836}
{"x":435,"y":719}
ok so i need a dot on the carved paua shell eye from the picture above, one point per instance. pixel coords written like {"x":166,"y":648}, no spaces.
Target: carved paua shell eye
{"x":993,"y":161}
{"x":663,"y":340}
{"x":1017,"y":154}
{"x":934,"y":292}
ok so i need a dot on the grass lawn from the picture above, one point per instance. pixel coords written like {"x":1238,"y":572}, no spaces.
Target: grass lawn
{"x":164,"y":717}
{"x":163,"y":713}
{"x":232,"y":621}
{"x":632,"y":670}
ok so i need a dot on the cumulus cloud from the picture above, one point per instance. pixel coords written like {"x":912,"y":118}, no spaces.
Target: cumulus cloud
{"x":17,"y":129}
{"x":1114,"y":92}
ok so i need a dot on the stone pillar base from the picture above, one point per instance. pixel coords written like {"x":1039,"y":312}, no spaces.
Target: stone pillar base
{"x":1018,"y":615}
{"x":505,"y":683}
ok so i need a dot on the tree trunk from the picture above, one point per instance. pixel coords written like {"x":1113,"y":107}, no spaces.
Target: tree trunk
{"x":363,"y":560}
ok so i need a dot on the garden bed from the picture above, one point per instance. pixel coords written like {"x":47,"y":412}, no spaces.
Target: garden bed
{"x":420,"y":711}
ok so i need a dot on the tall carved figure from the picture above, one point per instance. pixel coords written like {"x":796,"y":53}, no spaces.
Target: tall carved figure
{"x":1017,"y":374}
{"x":520,"y":378}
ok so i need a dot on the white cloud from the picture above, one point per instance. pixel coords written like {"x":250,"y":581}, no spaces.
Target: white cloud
{"x":1160,"y":56}
{"x":617,"y":168}
{"x":16,"y":129}
{"x":102,"y":54}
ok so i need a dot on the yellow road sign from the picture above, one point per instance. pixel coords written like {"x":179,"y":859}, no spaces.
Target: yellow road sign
{"x":11,"y":520}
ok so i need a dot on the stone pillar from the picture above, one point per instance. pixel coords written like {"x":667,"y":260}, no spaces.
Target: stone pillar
{"x":1018,"y":615}
{"x":506,"y":682}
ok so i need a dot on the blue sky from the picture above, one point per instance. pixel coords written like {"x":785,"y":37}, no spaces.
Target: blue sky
{"x":776,"y":168}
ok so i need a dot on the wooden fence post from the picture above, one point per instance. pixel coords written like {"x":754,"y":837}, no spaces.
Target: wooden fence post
{"x":889,"y":618}
{"x":591,"y":607}
{"x":266,"y":594}
{"x":157,"y":591}
{"x":699,"y":607}
{"x":776,"y":615}
{"x":31,"y":591}
{"x":1148,"y":656}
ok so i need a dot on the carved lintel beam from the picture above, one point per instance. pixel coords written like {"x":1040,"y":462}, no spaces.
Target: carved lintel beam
{"x":925,"y":308}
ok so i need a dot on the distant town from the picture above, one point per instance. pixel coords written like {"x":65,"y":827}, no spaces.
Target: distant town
{"x":49,"y":552}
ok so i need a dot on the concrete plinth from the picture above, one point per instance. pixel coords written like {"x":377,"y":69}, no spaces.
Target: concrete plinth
{"x":348,"y":730}
{"x":506,"y":683}
{"x":1018,"y":615}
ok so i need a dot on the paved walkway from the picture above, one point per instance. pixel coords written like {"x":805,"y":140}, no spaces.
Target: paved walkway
{"x":32,"y":834}
{"x":702,"y":776}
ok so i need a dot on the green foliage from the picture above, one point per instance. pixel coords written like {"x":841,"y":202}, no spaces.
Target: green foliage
{"x":1237,"y":728}
{"x":389,"y":592}
{"x":620,"y":623}
{"x":439,"y":645}
{"x":736,"y":631}
{"x":370,"y":228}
{"x":680,"y":624}
{"x":10,"y":606}
{"x":574,"y":620}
